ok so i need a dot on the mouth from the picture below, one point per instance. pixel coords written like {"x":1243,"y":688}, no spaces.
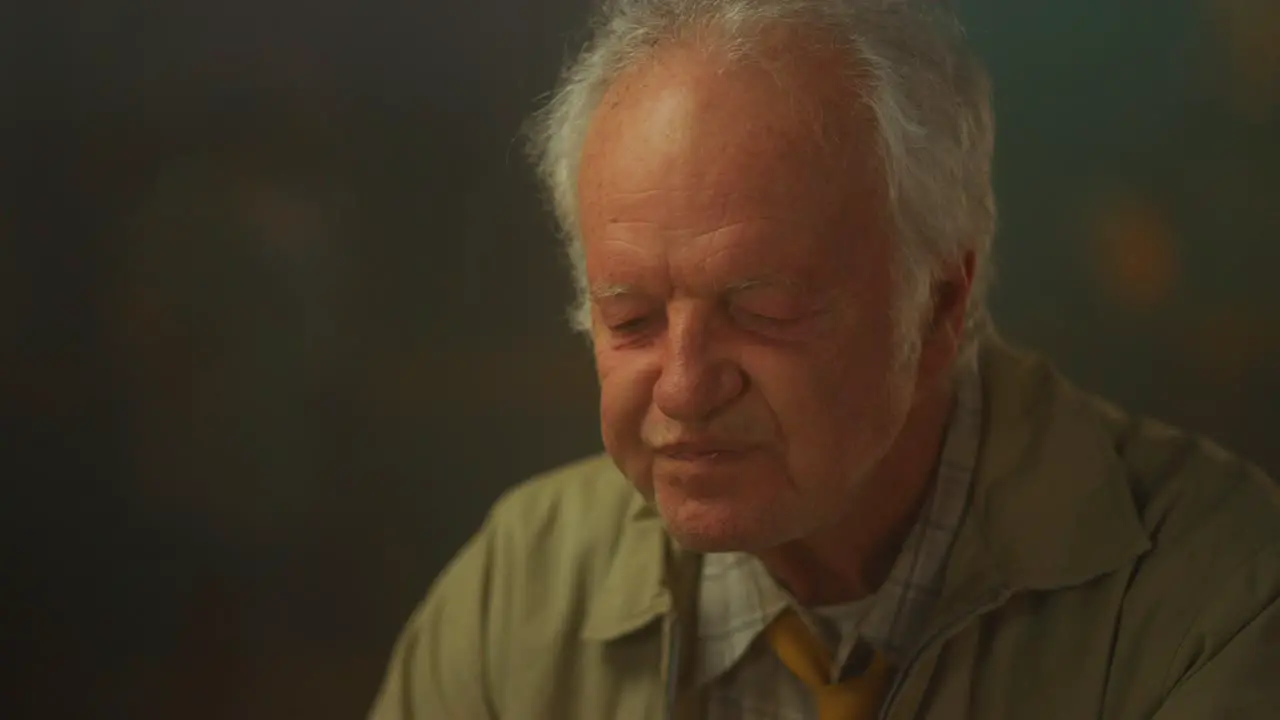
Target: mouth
{"x":702,"y":456}
{"x":701,"y":452}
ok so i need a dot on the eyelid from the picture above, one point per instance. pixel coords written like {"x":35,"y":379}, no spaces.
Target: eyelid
{"x":634,"y":321}
{"x":754,"y":321}
{"x":768,"y":319}
{"x":773,"y":314}
{"x":615,"y":307}
{"x":629,"y":325}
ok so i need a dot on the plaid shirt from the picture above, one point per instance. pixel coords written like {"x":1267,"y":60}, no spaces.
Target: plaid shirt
{"x":738,"y":598}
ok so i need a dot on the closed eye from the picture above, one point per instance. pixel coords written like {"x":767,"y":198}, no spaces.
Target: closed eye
{"x":628,"y":327}
{"x":761,"y":319}
{"x":765,"y":317}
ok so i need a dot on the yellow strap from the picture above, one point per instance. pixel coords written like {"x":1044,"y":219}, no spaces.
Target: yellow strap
{"x":857,"y":698}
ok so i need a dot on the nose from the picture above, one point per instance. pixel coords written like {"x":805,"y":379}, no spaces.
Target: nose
{"x":696,"y":379}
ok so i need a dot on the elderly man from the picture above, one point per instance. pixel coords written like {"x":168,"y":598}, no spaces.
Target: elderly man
{"x":830,"y":491}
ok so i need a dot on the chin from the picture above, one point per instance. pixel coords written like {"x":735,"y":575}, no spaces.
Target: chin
{"x":710,"y":526}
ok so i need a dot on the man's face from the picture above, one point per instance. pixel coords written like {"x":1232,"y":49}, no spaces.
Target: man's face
{"x":742,"y":296}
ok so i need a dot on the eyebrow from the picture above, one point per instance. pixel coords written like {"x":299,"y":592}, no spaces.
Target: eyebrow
{"x":765,"y":281}
{"x":601,"y":291}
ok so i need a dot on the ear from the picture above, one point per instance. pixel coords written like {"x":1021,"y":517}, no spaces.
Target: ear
{"x":951,"y":290}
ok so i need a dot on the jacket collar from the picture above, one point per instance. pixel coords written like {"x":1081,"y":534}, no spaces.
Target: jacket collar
{"x":1051,"y":505}
{"x":635,"y":591}
{"x":1050,"y":509}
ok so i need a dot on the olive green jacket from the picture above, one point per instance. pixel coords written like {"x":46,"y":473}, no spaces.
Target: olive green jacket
{"x":1108,"y":567}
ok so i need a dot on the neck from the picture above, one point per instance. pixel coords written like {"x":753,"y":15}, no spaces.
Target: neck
{"x":849,"y":560}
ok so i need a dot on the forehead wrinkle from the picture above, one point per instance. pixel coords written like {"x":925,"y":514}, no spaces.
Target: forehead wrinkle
{"x":714,"y":258}
{"x":721,"y":228}
{"x":681,"y":239}
{"x":700,"y":196}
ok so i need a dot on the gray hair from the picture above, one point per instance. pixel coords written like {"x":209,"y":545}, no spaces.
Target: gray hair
{"x":928,"y":93}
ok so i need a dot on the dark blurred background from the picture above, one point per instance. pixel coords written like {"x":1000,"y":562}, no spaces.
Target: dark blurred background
{"x":280,"y":310}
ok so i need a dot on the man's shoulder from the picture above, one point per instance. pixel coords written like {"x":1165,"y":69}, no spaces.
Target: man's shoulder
{"x":1186,"y":533}
{"x":578,"y":547}
{"x":1213,"y":521}
{"x":1212,"y":571}
{"x":1180,"y":482}
{"x":588,"y":496}
{"x":575,"y":520}
{"x":1188,"y":487}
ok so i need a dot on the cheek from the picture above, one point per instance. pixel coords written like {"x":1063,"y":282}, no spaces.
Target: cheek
{"x":626,"y":387}
{"x":828,"y":408}
{"x":866,"y":408}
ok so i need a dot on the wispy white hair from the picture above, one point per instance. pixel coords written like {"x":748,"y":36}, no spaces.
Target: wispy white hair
{"x":908,"y":62}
